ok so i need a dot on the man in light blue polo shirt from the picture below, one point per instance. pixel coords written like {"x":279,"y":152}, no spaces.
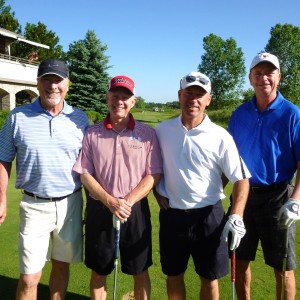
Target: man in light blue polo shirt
{"x":45,"y":137}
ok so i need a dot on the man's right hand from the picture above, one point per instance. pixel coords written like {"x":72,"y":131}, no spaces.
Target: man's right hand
{"x":120,"y":208}
{"x":162,"y":201}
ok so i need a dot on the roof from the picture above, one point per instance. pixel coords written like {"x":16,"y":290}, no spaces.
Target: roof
{"x":17,"y":37}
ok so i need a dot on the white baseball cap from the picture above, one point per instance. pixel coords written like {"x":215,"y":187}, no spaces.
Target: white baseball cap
{"x":265,"y":57}
{"x":196,"y":78}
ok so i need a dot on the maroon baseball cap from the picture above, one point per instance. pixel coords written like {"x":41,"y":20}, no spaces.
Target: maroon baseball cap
{"x":122,"y":81}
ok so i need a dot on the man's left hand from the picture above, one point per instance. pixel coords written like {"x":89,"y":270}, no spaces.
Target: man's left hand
{"x":289,"y":213}
{"x":236,"y":226}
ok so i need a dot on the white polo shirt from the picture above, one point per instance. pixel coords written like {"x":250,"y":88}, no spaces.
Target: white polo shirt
{"x":193,"y":162}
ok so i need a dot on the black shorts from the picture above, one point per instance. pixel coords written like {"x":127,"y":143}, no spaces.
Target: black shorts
{"x":261,"y":222}
{"x":135,"y":239}
{"x":196,"y":233}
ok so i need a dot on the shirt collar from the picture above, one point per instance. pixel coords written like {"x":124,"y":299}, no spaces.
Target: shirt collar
{"x":37,"y":107}
{"x":276,"y":104}
{"x":203,"y":126}
{"x":130,"y":124}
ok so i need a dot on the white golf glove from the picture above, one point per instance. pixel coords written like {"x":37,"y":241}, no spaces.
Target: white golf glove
{"x":236,"y":226}
{"x":289,"y":213}
{"x":117,"y":222}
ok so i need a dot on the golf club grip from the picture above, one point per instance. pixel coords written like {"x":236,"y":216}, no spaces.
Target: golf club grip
{"x":233,"y":266}
{"x":117,"y":244}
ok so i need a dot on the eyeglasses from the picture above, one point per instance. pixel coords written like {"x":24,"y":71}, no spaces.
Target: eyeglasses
{"x":202,"y":80}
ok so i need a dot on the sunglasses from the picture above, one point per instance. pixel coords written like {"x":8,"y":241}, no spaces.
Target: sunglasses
{"x":202,"y":80}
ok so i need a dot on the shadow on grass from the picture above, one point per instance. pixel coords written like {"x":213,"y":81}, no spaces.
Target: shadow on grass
{"x":8,"y":287}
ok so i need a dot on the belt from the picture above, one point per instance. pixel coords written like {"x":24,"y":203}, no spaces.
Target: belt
{"x":263,"y":189}
{"x":188,"y":210}
{"x":50,"y":199}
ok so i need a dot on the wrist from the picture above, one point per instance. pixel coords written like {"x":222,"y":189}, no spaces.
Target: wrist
{"x":294,"y":200}
{"x":236,"y":216}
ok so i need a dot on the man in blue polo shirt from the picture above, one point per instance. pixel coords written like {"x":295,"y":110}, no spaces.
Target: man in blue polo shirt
{"x":45,"y":137}
{"x":267,"y":133}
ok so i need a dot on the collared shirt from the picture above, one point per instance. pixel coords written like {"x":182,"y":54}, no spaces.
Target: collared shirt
{"x":45,"y":148}
{"x":119,"y":160}
{"x":268,"y":141}
{"x":193,"y":162}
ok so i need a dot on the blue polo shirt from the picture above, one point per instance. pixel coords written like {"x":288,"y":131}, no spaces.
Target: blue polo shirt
{"x":268,"y":141}
{"x":45,"y":148}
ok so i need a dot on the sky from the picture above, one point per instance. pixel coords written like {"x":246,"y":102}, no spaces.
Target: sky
{"x":157,"y":42}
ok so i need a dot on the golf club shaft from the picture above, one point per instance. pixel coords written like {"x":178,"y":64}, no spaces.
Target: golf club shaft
{"x":118,"y":227}
{"x":115,"y":279}
{"x":285,"y":250}
{"x":233,"y":274}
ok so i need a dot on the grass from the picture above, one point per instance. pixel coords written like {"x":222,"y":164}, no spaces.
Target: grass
{"x":263,"y":283}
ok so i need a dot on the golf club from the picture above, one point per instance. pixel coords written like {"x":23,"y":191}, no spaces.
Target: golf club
{"x":233,"y":274}
{"x":117,"y":225}
{"x":285,"y":250}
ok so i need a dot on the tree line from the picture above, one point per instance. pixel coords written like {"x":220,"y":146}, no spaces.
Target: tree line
{"x":223,"y":61}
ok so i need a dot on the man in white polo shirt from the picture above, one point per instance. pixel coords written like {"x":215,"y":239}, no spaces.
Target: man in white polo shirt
{"x":196,"y":152}
{"x":45,"y":137}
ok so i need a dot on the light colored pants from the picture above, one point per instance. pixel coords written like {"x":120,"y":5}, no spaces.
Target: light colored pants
{"x":42,"y":221}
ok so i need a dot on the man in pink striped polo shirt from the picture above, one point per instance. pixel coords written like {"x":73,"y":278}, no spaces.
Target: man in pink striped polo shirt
{"x":120,"y":163}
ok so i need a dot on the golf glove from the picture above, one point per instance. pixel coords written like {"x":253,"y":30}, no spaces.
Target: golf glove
{"x":236,"y":227}
{"x":289,"y":213}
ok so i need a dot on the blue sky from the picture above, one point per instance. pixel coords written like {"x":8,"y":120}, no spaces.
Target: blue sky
{"x":157,"y":42}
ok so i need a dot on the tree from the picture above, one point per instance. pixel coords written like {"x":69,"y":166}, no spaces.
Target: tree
{"x":285,"y":44}
{"x":88,"y":73}
{"x":173,"y":105}
{"x":39,"y":34}
{"x":248,"y":94}
{"x":7,"y":18}
{"x":224,"y":64}
{"x":140,"y":103}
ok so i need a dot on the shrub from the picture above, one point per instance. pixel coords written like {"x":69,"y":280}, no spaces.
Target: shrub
{"x":3,"y":116}
{"x":220,"y":116}
{"x":94,"y":117}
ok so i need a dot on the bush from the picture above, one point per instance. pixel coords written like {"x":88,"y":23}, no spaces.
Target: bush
{"x":94,"y":117}
{"x":3,"y":116}
{"x":220,"y":116}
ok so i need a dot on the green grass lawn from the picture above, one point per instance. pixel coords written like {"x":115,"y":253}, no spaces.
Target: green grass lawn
{"x":263,"y":285}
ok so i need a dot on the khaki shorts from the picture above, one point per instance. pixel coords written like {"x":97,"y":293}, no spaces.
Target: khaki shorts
{"x":42,"y":221}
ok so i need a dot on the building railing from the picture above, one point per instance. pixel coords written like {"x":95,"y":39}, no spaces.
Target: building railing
{"x":18,"y":59}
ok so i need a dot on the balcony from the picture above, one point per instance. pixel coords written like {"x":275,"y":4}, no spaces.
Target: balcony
{"x":16,"y":74}
{"x":17,"y":70}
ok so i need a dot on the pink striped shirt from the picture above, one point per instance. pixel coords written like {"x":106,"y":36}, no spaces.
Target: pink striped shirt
{"x":119,"y":160}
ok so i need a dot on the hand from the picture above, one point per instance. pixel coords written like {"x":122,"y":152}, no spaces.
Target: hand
{"x":163,"y":202}
{"x":236,"y":226}
{"x":120,"y":208}
{"x":117,"y":222}
{"x":2,"y":211}
{"x":289,"y":213}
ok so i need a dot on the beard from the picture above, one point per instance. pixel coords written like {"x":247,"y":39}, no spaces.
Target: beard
{"x":52,"y":101}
